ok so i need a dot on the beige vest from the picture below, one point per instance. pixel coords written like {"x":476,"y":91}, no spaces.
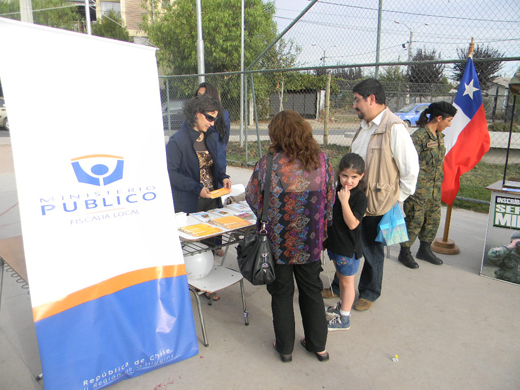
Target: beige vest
{"x":382,"y":174}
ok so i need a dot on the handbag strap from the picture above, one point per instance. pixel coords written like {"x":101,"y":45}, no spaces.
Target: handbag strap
{"x":267,"y":188}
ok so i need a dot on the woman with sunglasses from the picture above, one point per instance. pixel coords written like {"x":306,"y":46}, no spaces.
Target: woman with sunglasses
{"x":222,"y":124}
{"x":193,"y":164}
{"x":221,"y":133}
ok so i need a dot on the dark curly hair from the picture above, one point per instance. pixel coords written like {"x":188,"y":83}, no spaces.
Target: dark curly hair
{"x":201,"y":103}
{"x":292,"y":134}
{"x":220,"y":123}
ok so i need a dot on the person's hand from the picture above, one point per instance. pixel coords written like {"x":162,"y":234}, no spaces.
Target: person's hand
{"x":344,"y":195}
{"x":204,"y":193}
{"x":227,"y":183}
{"x":513,"y":244}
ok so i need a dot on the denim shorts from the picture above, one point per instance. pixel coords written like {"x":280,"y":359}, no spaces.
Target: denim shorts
{"x":346,"y":266}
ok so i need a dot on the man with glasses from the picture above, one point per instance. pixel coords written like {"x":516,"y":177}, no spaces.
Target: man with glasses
{"x":392,"y":167}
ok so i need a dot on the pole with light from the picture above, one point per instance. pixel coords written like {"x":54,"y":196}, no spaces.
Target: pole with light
{"x":410,"y":42}
{"x":327,"y":98}
{"x":324,"y":52}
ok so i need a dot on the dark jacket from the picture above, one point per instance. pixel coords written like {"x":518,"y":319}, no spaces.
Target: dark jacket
{"x":222,"y":143}
{"x":184,"y":169}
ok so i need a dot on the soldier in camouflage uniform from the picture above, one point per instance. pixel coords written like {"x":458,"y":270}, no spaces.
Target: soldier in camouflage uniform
{"x":423,"y":209}
{"x":507,"y":258}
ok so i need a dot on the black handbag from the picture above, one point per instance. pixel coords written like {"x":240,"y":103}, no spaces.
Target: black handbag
{"x":254,"y":253}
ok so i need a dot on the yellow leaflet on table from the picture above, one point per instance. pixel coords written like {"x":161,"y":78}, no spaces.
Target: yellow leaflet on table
{"x":231,"y":222}
{"x":200,"y":230}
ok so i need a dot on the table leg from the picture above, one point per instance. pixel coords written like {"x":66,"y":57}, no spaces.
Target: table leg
{"x":202,"y":326}
{"x":242,"y":292}
{"x":1,"y":279}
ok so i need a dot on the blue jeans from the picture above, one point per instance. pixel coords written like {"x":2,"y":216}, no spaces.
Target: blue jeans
{"x":346,"y":266}
{"x":311,"y":306}
{"x":371,"y":279}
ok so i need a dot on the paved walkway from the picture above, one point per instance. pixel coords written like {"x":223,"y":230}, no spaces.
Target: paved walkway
{"x":451,"y":328}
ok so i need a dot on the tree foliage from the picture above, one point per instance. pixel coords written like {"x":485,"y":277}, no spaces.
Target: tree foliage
{"x":50,"y":15}
{"x":347,"y":73}
{"x":421,"y":76}
{"x":486,"y":71}
{"x":172,"y":27}
{"x":111,"y":26}
{"x":393,"y":74}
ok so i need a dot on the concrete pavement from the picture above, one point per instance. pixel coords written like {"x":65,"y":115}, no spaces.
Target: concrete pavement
{"x":451,"y":328}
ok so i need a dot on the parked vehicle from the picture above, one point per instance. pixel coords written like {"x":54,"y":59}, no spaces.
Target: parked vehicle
{"x":173,"y":109}
{"x":4,"y":122}
{"x":410,"y":114}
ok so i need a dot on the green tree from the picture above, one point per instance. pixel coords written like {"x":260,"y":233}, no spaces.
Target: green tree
{"x":486,"y":71}
{"x":422,"y":76}
{"x":53,"y":13}
{"x":393,"y":74}
{"x":172,"y":27}
{"x":111,"y":26}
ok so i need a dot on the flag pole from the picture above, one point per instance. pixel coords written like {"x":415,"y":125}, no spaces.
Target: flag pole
{"x":445,"y":245}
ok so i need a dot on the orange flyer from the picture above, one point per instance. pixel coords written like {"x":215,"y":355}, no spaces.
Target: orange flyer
{"x":200,"y":230}
{"x":231,"y":222}
{"x":220,"y":192}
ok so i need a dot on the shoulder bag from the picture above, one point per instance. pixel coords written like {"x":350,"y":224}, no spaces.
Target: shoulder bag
{"x":254,"y":253}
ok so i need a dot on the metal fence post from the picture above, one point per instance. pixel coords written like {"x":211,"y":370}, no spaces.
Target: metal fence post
{"x":168,"y":106}
{"x":327,"y":111}
{"x":259,"y":142}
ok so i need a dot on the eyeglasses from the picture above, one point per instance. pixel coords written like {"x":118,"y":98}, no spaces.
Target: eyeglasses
{"x":209,"y":117}
{"x":357,"y":100}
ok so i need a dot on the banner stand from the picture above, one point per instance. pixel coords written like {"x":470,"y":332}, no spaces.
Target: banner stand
{"x":501,"y":256}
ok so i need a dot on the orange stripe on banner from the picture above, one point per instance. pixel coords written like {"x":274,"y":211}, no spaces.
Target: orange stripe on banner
{"x":107,"y":287}
{"x":96,"y":155}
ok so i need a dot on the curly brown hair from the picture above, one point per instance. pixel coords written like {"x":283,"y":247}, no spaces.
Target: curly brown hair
{"x":292,"y":134}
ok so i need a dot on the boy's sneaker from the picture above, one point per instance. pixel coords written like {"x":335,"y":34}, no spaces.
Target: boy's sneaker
{"x":334,"y":310}
{"x":339,"y":323}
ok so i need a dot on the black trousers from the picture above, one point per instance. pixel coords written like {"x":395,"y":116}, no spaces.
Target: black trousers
{"x":311,"y":306}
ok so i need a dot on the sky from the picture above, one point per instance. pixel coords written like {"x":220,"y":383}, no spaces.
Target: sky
{"x":345,"y":30}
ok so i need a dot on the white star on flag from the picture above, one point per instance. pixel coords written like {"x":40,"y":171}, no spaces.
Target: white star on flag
{"x":470,"y":89}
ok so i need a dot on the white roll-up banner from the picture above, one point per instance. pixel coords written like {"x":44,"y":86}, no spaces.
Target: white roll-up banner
{"x":106,"y":273}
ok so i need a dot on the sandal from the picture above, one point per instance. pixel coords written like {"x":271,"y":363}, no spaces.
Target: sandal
{"x":322,"y":356}
{"x":283,"y":358}
{"x":219,"y":252}
{"x":216,"y":297}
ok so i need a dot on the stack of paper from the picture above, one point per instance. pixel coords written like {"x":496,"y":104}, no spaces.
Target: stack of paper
{"x":232,"y":222}
{"x":200,"y":230}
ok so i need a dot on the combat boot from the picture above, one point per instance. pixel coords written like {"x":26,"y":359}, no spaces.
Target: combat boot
{"x":425,"y":253}
{"x":406,"y":258}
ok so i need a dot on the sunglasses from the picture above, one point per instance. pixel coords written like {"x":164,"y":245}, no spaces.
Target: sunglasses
{"x":209,"y":117}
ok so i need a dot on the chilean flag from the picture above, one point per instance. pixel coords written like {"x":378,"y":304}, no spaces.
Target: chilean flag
{"x":467,"y":140}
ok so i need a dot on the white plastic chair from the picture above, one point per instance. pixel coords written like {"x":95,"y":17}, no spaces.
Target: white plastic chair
{"x":236,"y":190}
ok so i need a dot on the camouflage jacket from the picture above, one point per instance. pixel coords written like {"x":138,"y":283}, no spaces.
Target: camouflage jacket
{"x":431,"y":151}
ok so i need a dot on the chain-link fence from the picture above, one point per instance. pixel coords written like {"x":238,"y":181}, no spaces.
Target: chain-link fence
{"x":418,"y":53}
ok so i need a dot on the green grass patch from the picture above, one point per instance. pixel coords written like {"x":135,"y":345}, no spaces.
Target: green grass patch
{"x":472,"y":184}
{"x":503,"y":127}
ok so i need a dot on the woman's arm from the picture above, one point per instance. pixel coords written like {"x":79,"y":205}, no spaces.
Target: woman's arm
{"x":178,"y":179}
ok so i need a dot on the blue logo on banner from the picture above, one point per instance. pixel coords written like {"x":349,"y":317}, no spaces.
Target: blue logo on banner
{"x":98,"y":169}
